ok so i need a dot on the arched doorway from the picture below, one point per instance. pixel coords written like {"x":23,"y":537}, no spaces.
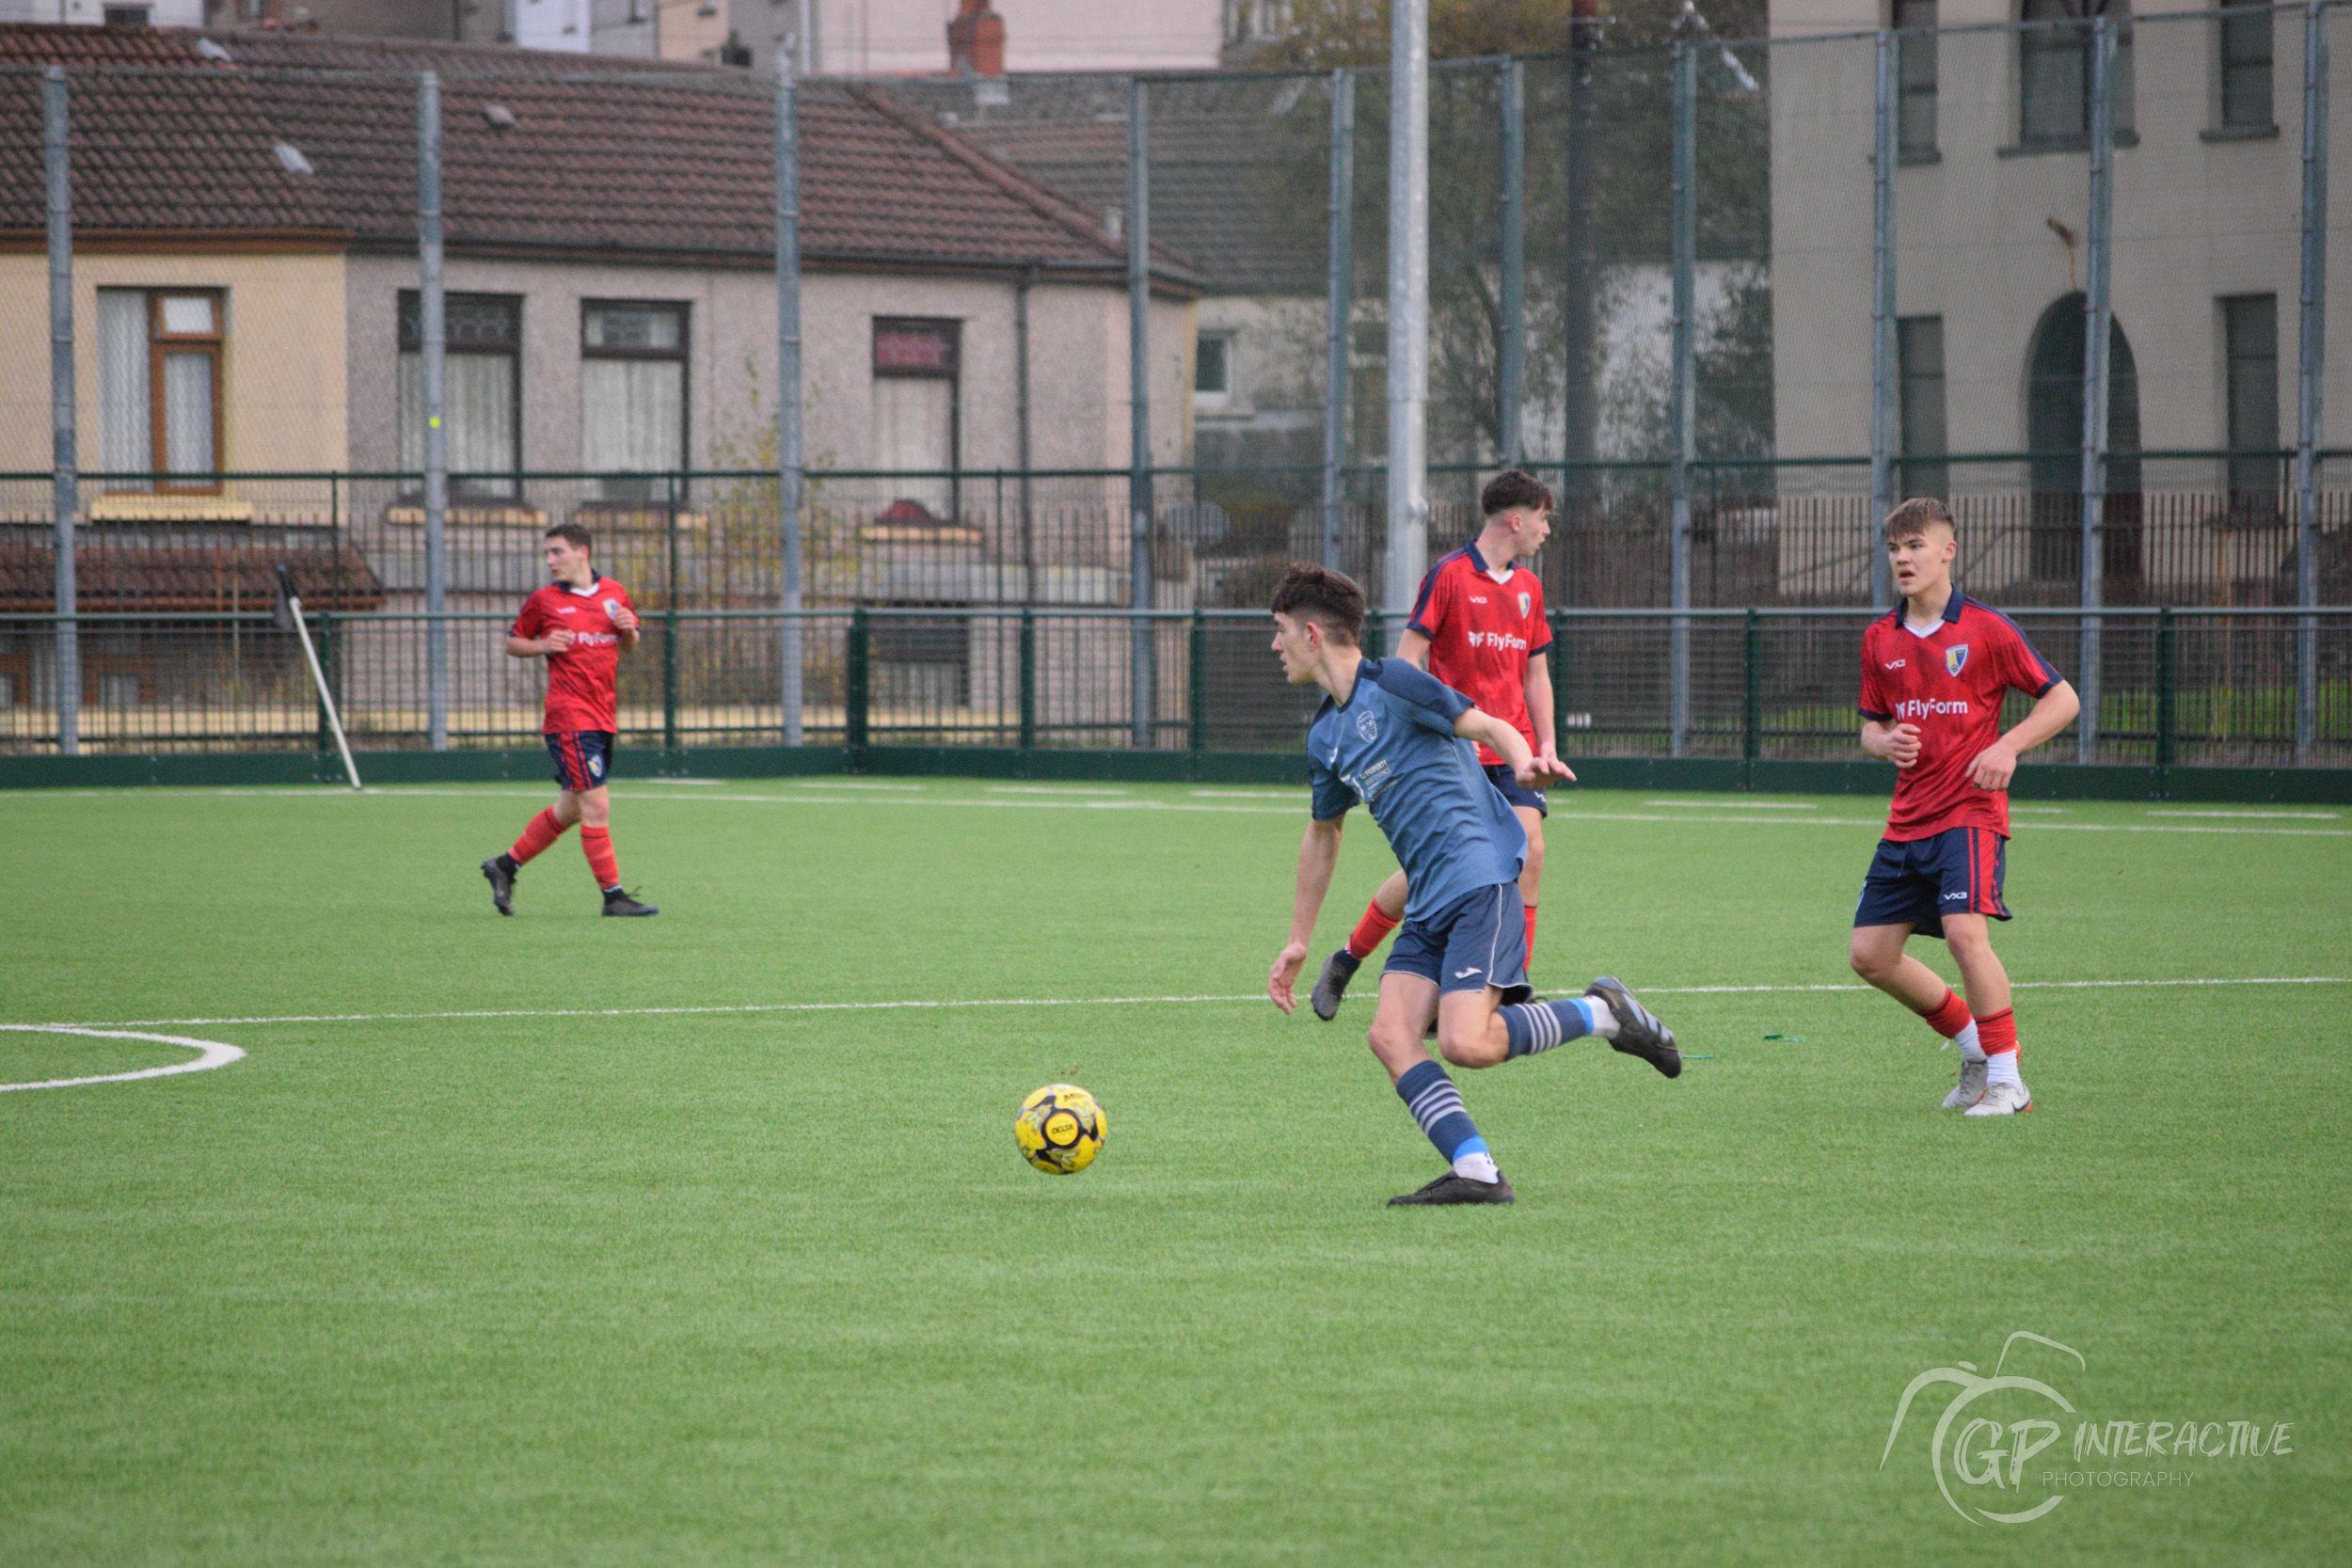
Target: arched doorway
{"x":2054,"y":433}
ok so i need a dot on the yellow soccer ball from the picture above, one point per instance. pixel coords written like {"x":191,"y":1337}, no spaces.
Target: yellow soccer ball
{"x":1061,"y":1129}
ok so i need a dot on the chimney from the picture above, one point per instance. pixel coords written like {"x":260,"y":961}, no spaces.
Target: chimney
{"x":975,"y":40}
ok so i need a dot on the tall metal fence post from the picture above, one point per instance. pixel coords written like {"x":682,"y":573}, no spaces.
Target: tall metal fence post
{"x":669,"y":631}
{"x":1511,"y":344}
{"x":56,"y":125}
{"x":2098,"y":242}
{"x":1338,"y":311}
{"x":2312,"y":365}
{"x":1140,"y":677}
{"x":1197,"y":682}
{"x":1029,"y":679}
{"x":2167,"y":686}
{"x":434,"y":334}
{"x":1408,"y":304}
{"x":1883,"y":394}
{"x":791,"y":460}
{"x":1752,"y":708}
{"x":324,"y":742}
{"x":1684,"y":400}
{"x":856,"y":685}
{"x":1580,"y":407}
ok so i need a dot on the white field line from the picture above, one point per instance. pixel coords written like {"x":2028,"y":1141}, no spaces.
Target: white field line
{"x":1565,"y":814}
{"x":1743,"y":805}
{"x":1049,"y":789}
{"x":210,"y":1054}
{"x":2301,"y":815}
{"x":1031,"y":1002}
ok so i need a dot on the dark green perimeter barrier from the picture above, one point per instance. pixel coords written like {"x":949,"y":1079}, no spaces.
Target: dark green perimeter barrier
{"x":2034,"y":781}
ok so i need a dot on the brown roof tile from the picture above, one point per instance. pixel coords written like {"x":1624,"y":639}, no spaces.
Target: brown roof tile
{"x":605,"y":156}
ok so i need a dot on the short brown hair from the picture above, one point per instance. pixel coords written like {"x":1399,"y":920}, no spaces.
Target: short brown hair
{"x":1514,"y":488}
{"x":1915,"y":514}
{"x":572,"y":534}
{"x":1324,"y":596}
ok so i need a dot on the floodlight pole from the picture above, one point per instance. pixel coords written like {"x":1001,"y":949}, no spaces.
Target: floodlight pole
{"x":1882,"y":390}
{"x":1683,"y":398}
{"x":790,"y":457}
{"x":1409,"y":306}
{"x":1139,"y":676}
{"x":2312,"y":358}
{"x":1339,"y":297}
{"x":2098,"y":236}
{"x":67,"y":678}
{"x":435,"y":328}
{"x":1511,"y":344}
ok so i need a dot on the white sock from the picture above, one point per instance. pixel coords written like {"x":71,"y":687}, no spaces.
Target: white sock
{"x":1597,"y":1017}
{"x":2003,"y":1070}
{"x":1478,"y":1165}
{"x":1967,"y":1040}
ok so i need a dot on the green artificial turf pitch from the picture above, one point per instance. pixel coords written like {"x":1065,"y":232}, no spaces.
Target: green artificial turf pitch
{"x":573,"y":1265}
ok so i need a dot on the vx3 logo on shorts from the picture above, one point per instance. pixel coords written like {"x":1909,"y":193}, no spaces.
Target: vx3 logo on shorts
{"x":1953,"y":897}
{"x":1975,"y":1458}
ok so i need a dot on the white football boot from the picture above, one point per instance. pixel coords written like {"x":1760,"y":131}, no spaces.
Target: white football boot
{"x":1971,"y":1086}
{"x":2002,"y":1099}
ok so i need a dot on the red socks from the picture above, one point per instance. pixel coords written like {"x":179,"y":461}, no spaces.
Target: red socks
{"x":598,"y":844}
{"x":1371,"y":931}
{"x":1531,"y":929}
{"x":1997,"y":1033}
{"x":1950,"y":1015}
{"x":544,"y":829}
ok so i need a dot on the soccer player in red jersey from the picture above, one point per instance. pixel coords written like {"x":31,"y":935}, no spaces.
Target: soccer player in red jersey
{"x":1479,"y":626}
{"x":580,"y":624}
{"x":1933,"y":674}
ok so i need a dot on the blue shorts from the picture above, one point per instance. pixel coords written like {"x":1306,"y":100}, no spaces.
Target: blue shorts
{"x":1958,"y":871}
{"x":582,"y":757}
{"x":1513,"y":791}
{"x":1479,"y":939}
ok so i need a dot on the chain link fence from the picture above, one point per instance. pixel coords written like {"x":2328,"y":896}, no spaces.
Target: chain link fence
{"x":1885,"y":276}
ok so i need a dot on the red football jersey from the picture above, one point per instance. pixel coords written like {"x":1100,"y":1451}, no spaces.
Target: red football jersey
{"x":1483,"y":627}
{"x":580,"y":679}
{"x":1950,"y":684}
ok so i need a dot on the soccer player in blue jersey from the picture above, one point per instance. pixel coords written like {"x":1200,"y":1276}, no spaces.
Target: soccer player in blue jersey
{"x":1402,"y":743}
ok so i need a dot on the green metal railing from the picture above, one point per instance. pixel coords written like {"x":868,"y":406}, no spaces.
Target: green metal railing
{"x":2184,"y":686}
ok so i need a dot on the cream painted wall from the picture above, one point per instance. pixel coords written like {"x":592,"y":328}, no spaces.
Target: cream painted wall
{"x":283,"y":381}
{"x":2195,"y":219}
{"x":1079,"y":365}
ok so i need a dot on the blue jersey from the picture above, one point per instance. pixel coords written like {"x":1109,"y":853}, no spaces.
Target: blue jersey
{"x":1391,"y":744}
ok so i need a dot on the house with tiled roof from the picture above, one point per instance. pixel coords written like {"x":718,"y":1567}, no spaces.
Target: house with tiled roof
{"x":246,"y":274}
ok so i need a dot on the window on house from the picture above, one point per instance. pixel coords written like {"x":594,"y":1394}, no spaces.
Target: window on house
{"x":915,"y":423}
{"x":2249,"y":347}
{"x":127,"y":16}
{"x":2246,"y":65}
{"x":1213,"y":369}
{"x":1919,"y":368}
{"x":480,"y":390}
{"x":2054,"y":71}
{"x":1915,"y":76}
{"x":632,"y":397}
{"x":159,"y":386}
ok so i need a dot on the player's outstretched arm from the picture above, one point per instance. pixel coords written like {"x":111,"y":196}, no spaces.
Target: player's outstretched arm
{"x":1318,"y":854}
{"x":1414,"y":648}
{"x":1533,"y":772}
{"x":2053,"y":712}
{"x":532,"y":647}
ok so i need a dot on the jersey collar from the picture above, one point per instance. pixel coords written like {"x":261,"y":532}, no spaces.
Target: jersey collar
{"x":588,"y":592}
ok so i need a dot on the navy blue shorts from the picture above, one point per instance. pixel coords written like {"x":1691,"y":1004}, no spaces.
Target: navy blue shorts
{"x":1958,"y":871}
{"x":1479,"y":939}
{"x":582,"y":757}
{"x":1513,"y":791}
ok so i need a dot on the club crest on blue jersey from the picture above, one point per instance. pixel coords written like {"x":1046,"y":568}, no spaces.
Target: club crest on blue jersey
{"x":1367,"y":726}
{"x":1955,"y":658}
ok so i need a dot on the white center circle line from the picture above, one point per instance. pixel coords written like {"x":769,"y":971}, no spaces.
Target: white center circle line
{"x":210,"y":1054}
